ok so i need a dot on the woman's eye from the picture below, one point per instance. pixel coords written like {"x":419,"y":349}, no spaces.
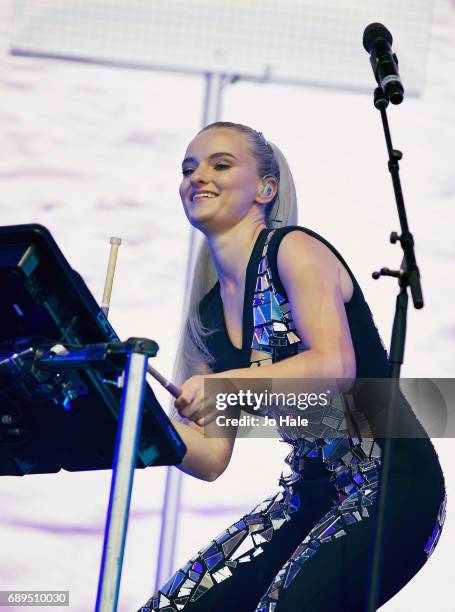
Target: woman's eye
{"x":218,"y":166}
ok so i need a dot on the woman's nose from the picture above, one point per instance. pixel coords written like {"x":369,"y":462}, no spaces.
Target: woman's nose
{"x":200,"y":175}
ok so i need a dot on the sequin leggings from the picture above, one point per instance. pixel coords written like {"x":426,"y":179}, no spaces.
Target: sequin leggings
{"x":307,"y":547}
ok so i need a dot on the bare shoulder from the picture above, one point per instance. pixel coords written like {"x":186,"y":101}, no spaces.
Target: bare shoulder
{"x":310,"y":274}
{"x":300,"y":253}
{"x":301,"y":241}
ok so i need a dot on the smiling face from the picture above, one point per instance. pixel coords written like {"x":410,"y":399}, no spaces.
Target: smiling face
{"x":220,"y":182}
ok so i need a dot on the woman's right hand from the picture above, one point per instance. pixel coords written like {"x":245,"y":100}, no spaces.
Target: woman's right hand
{"x":190,"y":403}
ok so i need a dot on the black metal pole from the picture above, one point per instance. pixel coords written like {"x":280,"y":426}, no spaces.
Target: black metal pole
{"x":408,"y":275}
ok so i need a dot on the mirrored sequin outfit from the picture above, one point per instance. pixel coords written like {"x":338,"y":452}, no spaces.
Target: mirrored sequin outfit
{"x":328,"y":472}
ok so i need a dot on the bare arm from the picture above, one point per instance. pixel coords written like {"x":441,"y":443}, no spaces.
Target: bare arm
{"x":310,"y":274}
{"x":206,"y":458}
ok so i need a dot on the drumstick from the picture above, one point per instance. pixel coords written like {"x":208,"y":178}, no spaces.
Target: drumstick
{"x":167,"y":384}
{"x":115,"y":243}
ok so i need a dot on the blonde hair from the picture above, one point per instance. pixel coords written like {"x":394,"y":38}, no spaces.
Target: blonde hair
{"x":193,"y":356}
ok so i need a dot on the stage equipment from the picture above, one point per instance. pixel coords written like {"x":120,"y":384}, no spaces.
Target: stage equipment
{"x":72,"y":395}
{"x":377,"y":40}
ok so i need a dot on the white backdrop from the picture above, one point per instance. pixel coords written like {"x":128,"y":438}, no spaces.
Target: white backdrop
{"x":93,"y":152}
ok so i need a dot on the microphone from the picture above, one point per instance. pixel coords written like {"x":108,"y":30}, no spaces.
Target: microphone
{"x":377,"y":41}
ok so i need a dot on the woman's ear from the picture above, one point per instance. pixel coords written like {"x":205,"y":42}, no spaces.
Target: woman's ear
{"x":267,"y":189}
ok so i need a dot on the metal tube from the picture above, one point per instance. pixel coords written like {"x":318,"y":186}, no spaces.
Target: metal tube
{"x":122,"y":482}
{"x":214,"y":84}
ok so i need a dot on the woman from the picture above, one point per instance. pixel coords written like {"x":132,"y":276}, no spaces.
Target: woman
{"x":272,"y":294}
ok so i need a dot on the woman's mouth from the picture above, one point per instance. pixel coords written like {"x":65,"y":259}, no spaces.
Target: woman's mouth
{"x":203,"y":196}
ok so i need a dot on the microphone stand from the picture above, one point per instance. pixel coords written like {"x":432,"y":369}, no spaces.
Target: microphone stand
{"x":408,"y":276}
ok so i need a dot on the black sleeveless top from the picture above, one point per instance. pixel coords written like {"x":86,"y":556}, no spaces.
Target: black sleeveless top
{"x":371,"y":356}
{"x":268,"y":327}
